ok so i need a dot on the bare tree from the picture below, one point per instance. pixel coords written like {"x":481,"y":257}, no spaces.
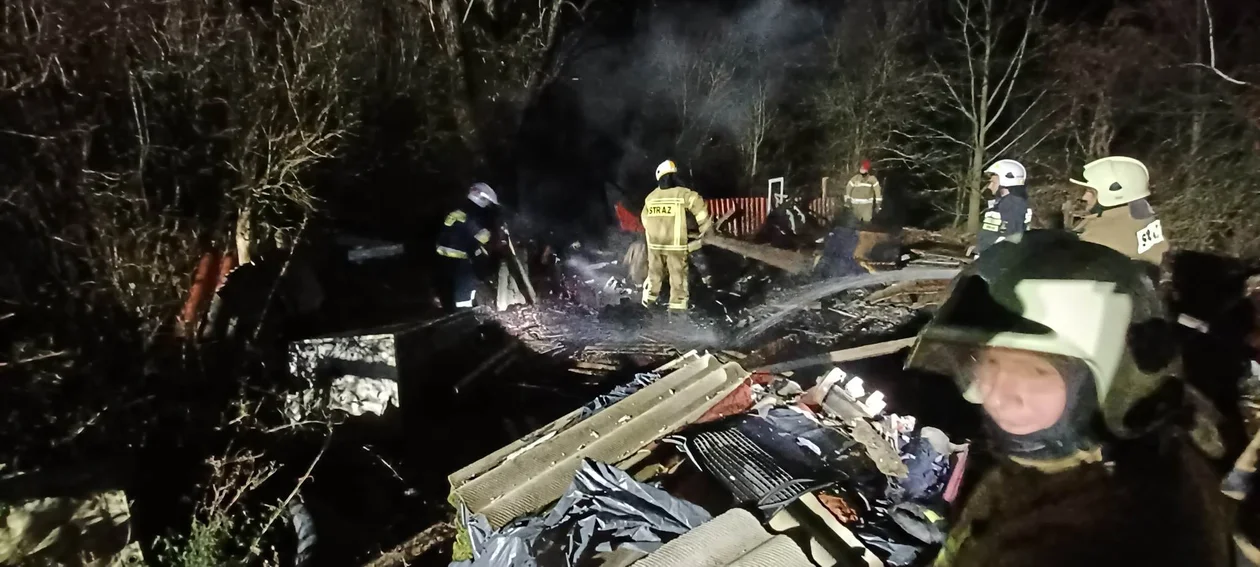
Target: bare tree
{"x":701,"y":74}
{"x":987,"y":86}
{"x":873,"y":92}
{"x":1206,"y":15}
{"x":496,"y":55}
{"x":761,"y":117}
{"x":145,"y":135}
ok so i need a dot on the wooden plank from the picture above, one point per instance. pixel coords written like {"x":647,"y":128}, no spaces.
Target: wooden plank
{"x":845,"y":355}
{"x":788,"y":260}
{"x":871,"y":351}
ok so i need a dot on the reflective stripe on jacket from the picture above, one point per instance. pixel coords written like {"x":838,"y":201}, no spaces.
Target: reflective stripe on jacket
{"x":461,"y":235}
{"x":1009,"y":215}
{"x":665,"y":217}
{"x":863,"y":190}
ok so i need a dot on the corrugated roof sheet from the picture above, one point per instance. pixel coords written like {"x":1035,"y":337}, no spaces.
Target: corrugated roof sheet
{"x":530,"y":474}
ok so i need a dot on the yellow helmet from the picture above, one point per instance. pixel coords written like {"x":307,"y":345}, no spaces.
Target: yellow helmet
{"x":1117,"y":180}
{"x":664,"y":168}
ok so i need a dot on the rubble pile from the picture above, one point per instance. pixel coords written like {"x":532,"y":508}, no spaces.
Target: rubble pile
{"x":650,"y":416}
{"x":823,"y":476}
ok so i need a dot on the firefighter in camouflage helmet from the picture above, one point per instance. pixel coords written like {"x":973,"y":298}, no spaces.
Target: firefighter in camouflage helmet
{"x":1064,"y":346}
{"x":1121,"y":218}
{"x":668,"y":246}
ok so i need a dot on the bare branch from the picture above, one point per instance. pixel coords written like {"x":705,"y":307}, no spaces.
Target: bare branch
{"x":1211,"y":66}
{"x":1016,"y":122}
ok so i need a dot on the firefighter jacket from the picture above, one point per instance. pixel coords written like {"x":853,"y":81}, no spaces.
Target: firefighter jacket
{"x":1116,"y":228}
{"x":1009,"y":215}
{"x":1154,"y":504}
{"x":665,"y":218}
{"x":783,"y":224}
{"x":863,"y":195}
{"x":463,"y":234}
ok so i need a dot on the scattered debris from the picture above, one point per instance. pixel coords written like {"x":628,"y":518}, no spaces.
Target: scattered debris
{"x":419,"y":544}
{"x":360,"y":250}
{"x":801,"y":453}
{"x":92,"y":530}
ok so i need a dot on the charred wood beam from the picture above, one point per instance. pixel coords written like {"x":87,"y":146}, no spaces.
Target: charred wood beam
{"x":789,"y":261}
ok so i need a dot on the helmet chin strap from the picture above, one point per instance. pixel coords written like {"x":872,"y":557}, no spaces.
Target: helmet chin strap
{"x":1069,"y":435}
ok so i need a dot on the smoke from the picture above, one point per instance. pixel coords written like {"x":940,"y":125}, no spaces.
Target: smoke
{"x":691,"y":83}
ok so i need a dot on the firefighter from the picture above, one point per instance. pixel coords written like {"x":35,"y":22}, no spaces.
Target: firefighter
{"x":665,"y":225}
{"x":1121,"y":218}
{"x":1075,"y":210}
{"x":862,"y":193}
{"x":461,"y":246}
{"x":1064,"y":345}
{"x":1008,"y":214}
{"x":786,"y":223}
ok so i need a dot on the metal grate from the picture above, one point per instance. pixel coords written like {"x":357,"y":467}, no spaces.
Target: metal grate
{"x":748,"y":471}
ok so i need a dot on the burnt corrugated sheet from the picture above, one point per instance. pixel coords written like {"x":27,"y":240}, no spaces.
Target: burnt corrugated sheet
{"x":527,"y":476}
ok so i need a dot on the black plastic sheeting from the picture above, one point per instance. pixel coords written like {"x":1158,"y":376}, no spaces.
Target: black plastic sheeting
{"x":602,"y":510}
{"x":759,"y":455}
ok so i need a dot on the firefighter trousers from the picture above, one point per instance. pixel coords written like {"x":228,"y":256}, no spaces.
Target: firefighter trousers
{"x":659,"y":263}
{"x":457,"y":283}
{"x":863,"y":211}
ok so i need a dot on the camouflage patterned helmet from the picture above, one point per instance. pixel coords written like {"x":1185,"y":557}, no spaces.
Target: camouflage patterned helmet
{"x":1054,"y":294}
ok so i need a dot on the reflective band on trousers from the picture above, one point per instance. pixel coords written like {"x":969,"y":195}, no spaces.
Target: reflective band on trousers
{"x":451,"y":253}
{"x":468,"y":303}
{"x":674,"y":247}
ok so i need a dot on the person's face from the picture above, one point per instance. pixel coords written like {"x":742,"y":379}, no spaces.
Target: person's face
{"x":864,"y":170}
{"x":1021,"y":391}
{"x":1090,"y":198}
{"x":993,"y":184}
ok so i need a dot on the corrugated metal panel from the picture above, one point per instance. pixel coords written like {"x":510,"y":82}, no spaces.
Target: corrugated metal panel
{"x":488,"y":462}
{"x":780,"y":551}
{"x":735,"y":538}
{"x":535,"y":476}
{"x":715,"y":543}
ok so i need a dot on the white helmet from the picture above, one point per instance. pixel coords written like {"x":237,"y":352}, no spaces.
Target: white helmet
{"x":482,"y":195}
{"x":1010,"y":172}
{"x":666,"y":167}
{"x":1117,"y":180}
